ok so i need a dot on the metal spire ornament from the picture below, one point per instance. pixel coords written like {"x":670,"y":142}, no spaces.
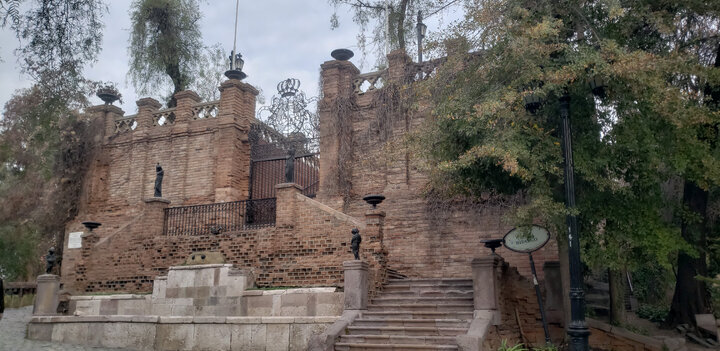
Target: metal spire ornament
{"x":236,"y":61}
{"x":289,"y":113}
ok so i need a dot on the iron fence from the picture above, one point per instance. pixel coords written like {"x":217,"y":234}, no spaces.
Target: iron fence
{"x":219,"y":218}
{"x":267,"y":173}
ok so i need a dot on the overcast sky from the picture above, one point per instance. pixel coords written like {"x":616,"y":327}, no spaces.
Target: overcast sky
{"x":278,"y":39}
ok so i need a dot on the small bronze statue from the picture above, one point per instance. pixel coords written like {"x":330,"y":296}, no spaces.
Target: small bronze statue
{"x":50,"y":260}
{"x":355,"y":243}
{"x":159,"y":173}
{"x":290,"y":166}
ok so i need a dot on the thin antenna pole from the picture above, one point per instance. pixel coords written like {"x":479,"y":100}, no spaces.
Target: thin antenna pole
{"x":387,"y":28}
{"x":237,"y":7}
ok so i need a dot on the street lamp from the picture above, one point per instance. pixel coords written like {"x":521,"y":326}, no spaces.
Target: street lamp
{"x":236,"y":66}
{"x":577,"y":328}
{"x":421,"y":28}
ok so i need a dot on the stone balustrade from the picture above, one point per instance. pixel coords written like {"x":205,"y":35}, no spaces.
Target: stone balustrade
{"x":366,"y":82}
{"x":125,"y":124}
{"x":206,"y":110}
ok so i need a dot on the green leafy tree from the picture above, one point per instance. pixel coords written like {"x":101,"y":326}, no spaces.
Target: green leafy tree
{"x":384,"y":22}
{"x":654,"y":124}
{"x":44,"y":153}
{"x":165,"y":44}
{"x":210,"y":73}
{"x":57,"y":39}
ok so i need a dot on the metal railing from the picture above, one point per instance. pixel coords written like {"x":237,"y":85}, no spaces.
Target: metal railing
{"x":269,"y":172}
{"x":219,"y":218}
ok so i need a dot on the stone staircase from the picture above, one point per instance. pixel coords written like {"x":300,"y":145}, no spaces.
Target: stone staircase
{"x":413,"y":314}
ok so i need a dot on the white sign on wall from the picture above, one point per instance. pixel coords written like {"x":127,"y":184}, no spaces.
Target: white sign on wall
{"x":75,"y":240}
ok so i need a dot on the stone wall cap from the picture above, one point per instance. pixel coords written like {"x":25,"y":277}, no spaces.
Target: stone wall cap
{"x":355,"y":264}
{"x":341,"y":65}
{"x":157,"y":199}
{"x":375,"y":213}
{"x":148,"y":102}
{"x":105,"y":108}
{"x":48,"y":278}
{"x":235,"y":83}
{"x":252,"y":293}
{"x":288,"y":185}
{"x":486,"y":260}
{"x":188,"y":94}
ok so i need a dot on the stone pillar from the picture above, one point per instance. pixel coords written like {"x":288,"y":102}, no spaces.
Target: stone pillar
{"x":398,"y":61}
{"x":154,"y":216}
{"x":46,"y":298}
{"x":103,"y":118}
{"x":186,"y":100}
{"x":486,"y":287}
{"x":553,"y":292}
{"x":374,"y":220}
{"x":232,"y":147}
{"x":356,"y":285}
{"x":286,"y":201}
{"x":146,"y":108}
{"x":337,"y":77}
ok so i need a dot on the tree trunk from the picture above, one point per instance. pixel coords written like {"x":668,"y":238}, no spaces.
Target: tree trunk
{"x":691,"y":295}
{"x":402,"y":13}
{"x":616,"y":279}
{"x":173,"y":70}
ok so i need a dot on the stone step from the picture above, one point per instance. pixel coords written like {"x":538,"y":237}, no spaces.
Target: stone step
{"x":466,"y":315}
{"x":428,"y":293}
{"x":393,"y":347}
{"x":424,"y":287}
{"x":421,"y":300}
{"x":410,"y":322}
{"x":398,"y":339}
{"x":426,"y":307}
{"x":410,"y":331}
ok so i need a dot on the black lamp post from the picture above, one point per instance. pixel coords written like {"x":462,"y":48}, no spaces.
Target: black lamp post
{"x":421,"y":28}
{"x":577,"y":328}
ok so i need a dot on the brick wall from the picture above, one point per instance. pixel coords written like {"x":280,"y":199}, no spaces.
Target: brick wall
{"x":422,"y":239}
{"x":305,"y":248}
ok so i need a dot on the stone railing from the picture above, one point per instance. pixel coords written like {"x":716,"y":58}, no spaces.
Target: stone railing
{"x":366,"y":82}
{"x":206,"y":110}
{"x":125,"y":124}
{"x":424,"y":70}
{"x":164,"y":117}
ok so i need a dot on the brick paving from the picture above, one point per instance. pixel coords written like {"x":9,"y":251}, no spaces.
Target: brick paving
{"x":12,"y":334}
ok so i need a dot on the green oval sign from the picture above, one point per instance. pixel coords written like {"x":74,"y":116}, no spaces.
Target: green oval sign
{"x":521,"y":241}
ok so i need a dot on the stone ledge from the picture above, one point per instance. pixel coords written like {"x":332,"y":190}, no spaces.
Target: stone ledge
{"x":183,"y":319}
{"x":200,"y":266}
{"x":175,"y":319}
{"x":110,"y":297}
{"x":289,"y":291}
{"x":208,"y":320}
{"x":157,"y":199}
